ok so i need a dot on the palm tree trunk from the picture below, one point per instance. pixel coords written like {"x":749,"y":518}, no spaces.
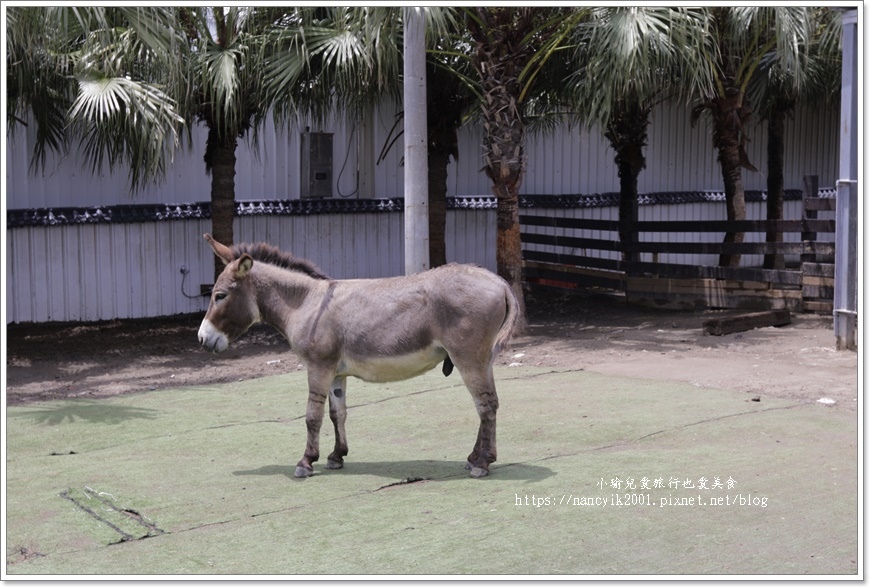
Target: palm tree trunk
{"x":222,"y":163}
{"x":438,"y":161}
{"x":504,"y":163}
{"x":509,"y":252}
{"x":504,"y":156}
{"x":627,"y":133}
{"x":726,"y":138}
{"x":498,"y":58}
{"x":627,"y":210}
{"x":775,"y":190}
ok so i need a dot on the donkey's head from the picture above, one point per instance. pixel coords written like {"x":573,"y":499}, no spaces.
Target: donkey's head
{"x":233,"y":306}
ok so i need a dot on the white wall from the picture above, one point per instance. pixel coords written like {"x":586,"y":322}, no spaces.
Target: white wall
{"x":90,"y":272}
{"x":105,"y":271}
{"x":567,"y":161}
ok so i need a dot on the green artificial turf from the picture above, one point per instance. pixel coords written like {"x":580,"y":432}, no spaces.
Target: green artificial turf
{"x":596,"y":475}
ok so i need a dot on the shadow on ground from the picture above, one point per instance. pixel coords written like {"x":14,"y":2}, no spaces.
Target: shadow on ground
{"x":413,"y":469}
{"x":84,"y":411}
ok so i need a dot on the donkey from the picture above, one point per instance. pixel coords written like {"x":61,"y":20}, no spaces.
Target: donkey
{"x":377,"y":330}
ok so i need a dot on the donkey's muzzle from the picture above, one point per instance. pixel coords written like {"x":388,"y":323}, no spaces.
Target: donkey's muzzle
{"x":211,"y":338}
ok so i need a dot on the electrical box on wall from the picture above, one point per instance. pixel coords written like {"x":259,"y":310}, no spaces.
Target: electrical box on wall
{"x":316,"y":165}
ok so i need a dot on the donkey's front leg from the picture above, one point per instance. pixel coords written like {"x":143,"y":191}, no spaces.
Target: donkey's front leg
{"x":338,"y":415}
{"x":318,"y":388}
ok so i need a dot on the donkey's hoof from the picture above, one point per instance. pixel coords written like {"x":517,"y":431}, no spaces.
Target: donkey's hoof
{"x":478,"y":472}
{"x":330,"y":464}
{"x":303,"y":472}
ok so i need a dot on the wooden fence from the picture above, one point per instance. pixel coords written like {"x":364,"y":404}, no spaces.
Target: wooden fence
{"x":565,"y":256}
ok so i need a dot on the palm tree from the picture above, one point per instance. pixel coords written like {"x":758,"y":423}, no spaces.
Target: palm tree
{"x":451,"y":100}
{"x":778,"y":90}
{"x":140,"y":75}
{"x":741,"y":38}
{"x":343,"y":61}
{"x":626,"y":61}
{"x":86,"y":74}
{"x":504,"y":57}
{"x":37,"y":83}
{"x":226,"y":52}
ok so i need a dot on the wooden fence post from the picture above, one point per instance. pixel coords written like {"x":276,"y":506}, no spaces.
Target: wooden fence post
{"x":811,"y":190}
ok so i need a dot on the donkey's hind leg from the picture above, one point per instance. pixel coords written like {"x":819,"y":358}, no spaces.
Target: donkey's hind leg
{"x":481,"y":383}
{"x":338,"y":415}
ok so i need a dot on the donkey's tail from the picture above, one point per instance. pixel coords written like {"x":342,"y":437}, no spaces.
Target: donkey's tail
{"x":512,"y":321}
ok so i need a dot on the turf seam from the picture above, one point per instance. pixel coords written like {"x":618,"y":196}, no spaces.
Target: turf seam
{"x":716,"y":419}
{"x":645,"y":436}
{"x":130,"y":514}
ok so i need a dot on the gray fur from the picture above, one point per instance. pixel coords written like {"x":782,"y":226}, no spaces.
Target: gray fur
{"x":374,"y":329}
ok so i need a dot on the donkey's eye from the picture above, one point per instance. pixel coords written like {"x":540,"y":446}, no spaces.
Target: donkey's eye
{"x":219,"y":296}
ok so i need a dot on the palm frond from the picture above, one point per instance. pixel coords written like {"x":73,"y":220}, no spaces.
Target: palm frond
{"x":643,"y":54}
{"x":39,"y":85}
{"x":120,"y":119}
{"x":334,"y":61}
{"x":808,"y":69}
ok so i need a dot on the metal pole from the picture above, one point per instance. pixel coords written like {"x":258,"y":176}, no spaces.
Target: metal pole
{"x":416,"y":158}
{"x":846,"y":247}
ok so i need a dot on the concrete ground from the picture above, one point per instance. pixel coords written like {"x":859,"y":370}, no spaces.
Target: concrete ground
{"x":597,"y":475}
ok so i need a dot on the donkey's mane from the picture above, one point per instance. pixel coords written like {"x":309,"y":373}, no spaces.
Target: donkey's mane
{"x":274,"y":256}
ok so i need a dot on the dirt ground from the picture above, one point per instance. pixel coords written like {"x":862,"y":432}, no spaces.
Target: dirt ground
{"x":797,"y":361}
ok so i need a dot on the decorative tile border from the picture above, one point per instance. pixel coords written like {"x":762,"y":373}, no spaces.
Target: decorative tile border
{"x":131,"y":213}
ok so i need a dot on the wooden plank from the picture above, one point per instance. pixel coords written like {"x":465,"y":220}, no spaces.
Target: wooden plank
{"x":819,"y":281}
{"x":705,"y":287}
{"x":818,"y":292}
{"x":820,"y":204}
{"x":818,"y":269}
{"x":689,"y":226}
{"x":815,"y":248}
{"x":541,"y":278}
{"x":570,"y":242}
{"x":578,"y":260}
{"x":533,"y":275}
{"x":575,"y":270}
{"x":701,"y":286}
{"x":548,"y":281}
{"x":684,"y":226}
{"x":743,"y":322}
{"x":576,"y":278}
{"x":819,"y":307}
{"x":682,"y":301}
{"x":774,"y":276}
{"x":568,"y":222}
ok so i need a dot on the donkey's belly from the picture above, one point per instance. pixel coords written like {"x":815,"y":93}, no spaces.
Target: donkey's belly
{"x":395,"y":368}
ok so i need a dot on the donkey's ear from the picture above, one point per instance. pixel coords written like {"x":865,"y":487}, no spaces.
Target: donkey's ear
{"x":222,"y":251}
{"x":243,"y":266}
